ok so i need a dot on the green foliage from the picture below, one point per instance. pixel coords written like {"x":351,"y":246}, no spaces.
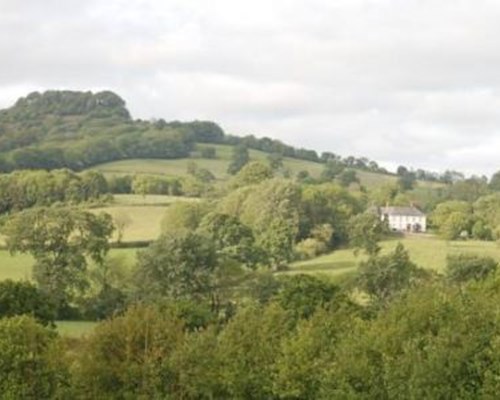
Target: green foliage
{"x":332,"y":169}
{"x":327,"y":204}
{"x":452,"y":218}
{"x":253,"y":173}
{"x":275,"y":161}
{"x":365,"y":231}
{"x":384,"y":276}
{"x":347,"y":177}
{"x":19,"y":298}
{"x":128,"y":356}
{"x":209,"y":153}
{"x":406,"y":180}
{"x":495,"y":182}
{"x":31,"y":361}
{"x":302,"y":295}
{"x":247,"y":369}
{"x":271,"y":210}
{"x":465,"y":267}
{"x":183,"y":216}
{"x":59,"y":239}
{"x":481,"y":231}
{"x":232,"y":239}
{"x":179,"y":265}
{"x":24,"y":189}
{"x":239,"y":159}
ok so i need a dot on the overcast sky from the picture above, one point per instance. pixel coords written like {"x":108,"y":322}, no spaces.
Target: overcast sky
{"x":412,"y":82}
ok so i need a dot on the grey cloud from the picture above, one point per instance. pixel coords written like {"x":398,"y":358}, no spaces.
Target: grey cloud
{"x":409,"y":82}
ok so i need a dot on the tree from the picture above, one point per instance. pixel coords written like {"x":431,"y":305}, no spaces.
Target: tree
{"x":183,"y":216}
{"x":253,"y":173}
{"x":495,"y":181}
{"x":19,"y":298}
{"x":246,"y":369}
{"x":327,"y":204}
{"x":239,"y":159}
{"x":275,"y":161}
{"x":383,"y":276}
{"x":302,"y":294}
{"x":232,"y":239}
{"x":31,"y":363}
{"x":407,"y":181}
{"x":365,"y":231}
{"x":128,"y":357}
{"x":60,"y":240}
{"x":209,"y":153}
{"x":452,"y":218}
{"x":121,"y":220}
{"x":331,"y":170}
{"x":465,"y":267}
{"x":179,"y":265}
{"x":271,"y":210}
{"x":347,"y":177}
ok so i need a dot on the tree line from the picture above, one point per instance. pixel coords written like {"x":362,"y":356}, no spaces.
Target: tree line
{"x":418,"y":335}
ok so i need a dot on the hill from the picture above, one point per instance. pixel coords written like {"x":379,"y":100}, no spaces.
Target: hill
{"x":219,"y":165}
{"x":78,"y":130}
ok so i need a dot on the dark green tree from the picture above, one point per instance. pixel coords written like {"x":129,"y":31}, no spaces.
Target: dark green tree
{"x":20,"y":298}
{"x":465,"y":267}
{"x":384,"y":276}
{"x":239,"y":159}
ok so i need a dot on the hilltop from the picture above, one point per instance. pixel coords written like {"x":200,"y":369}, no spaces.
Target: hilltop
{"x":78,"y":130}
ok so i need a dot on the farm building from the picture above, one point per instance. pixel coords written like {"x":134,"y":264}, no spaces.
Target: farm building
{"x":404,"y":219}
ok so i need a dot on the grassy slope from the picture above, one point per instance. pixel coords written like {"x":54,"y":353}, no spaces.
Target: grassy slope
{"x":219,"y":166}
{"x":144,"y":214}
{"x":425,"y":251}
{"x":75,"y":329}
{"x":18,"y":267}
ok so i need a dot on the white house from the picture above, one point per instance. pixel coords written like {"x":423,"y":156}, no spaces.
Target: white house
{"x":404,"y":219}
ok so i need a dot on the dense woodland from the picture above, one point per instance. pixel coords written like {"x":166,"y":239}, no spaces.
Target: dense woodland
{"x":208,"y":310}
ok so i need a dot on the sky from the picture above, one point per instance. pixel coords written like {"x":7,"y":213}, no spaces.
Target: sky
{"x":402,"y":82}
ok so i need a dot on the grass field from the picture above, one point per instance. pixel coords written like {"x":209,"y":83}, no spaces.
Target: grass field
{"x":141,"y":222}
{"x":149,"y":200}
{"x":426,"y":251}
{"x":18,"y":267}
{"x":219,"y":166}
{"x":75,"y":329}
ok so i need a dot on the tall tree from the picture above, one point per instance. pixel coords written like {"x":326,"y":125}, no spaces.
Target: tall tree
{"x":239,"y":159}
{"x":60,"y":240}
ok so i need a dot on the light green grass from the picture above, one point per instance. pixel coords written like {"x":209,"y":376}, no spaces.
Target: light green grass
{"x":75,"y":329}
{"x":149,"y":200}
{"x":219,"y":166}
{"x":426,"y":251}
{"x":18,"y":267}
{"x":143,"y":222}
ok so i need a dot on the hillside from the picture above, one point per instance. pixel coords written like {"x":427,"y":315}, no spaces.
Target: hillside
{"x":78,"y":130}
{"x":218,"y":166}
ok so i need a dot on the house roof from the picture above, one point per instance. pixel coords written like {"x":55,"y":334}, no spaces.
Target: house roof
{"x":403,"y":211}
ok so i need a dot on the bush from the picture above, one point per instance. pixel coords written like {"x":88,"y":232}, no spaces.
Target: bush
{"x":18,"y":298}
{"x":466,"y":267}
{"x":309,"y":248}
{"x":31,"y":366}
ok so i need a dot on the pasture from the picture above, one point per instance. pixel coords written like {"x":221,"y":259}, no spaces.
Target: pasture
{"x":139,"y":216}
{"x":140,"y":223}
{"x":218,"y":166}
{"x":426,"y":251}
{"x":75,"y":329}
{"x":18,"y":267}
